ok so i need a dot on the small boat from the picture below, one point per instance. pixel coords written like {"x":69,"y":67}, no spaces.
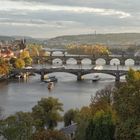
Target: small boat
{"x":18,"y":76}
{"x":50,"y":85}
{"x":96,"y":78}
{"x":50,"y":79}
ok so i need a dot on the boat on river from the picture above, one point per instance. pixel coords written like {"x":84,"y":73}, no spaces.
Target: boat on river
{"x":50,"y":85}
{"x":96,"y":78}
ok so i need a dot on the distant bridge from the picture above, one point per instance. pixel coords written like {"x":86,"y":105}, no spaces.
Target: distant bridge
{"x":78,"y":72}
{"x":121,"y":59}
{"x":107,"y":59}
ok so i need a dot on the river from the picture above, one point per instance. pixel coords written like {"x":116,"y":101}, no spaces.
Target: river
{"x":18,"y":95}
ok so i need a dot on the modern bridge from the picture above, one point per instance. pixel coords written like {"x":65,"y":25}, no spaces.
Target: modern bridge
{"x":78,"y":72}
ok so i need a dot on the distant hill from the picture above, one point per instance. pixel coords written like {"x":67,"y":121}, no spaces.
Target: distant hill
{"x":107,"y":39}
{"x":28,"y":39}
{"x":112,"y":40}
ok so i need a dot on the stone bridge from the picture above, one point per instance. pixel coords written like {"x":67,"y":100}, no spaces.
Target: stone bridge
{"x":107,"y":59}
{"x":78,"y":72}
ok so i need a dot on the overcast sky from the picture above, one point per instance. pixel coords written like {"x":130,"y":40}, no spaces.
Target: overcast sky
{"x":50,"y":18}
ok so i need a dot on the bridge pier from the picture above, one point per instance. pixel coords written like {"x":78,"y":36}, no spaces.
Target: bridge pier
{"x":49,"y":61}
{"x":117,"y":79}
{"x":79,"y":77}
{"x":42,"y":76}
{"x":122,"y":62}
{"x":107,"y":62}
{"x":64,"y":62}
{"x":93,"y":62}
{"x":79,"y":62}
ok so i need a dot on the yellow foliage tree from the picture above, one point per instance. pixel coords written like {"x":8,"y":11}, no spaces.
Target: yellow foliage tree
{"x":34,"y":49}
{"x":20,"y":63}
{"x":94,"y":50}
{"x":24,"y":54}
{"x":4,"y":67}
{"x":133,"y":76}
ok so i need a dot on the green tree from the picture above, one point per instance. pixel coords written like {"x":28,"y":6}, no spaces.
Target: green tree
{"x":17,"y":127}
{"x":70,"y":116}
{"x":101,"y":102}
{"x":47,"y":113}
{"x":28,"y":61}
{"x":101,"y":127}
{"x":12,"y":61}
{"x":82,"y":120}
{"x":127,"y":106}
{"x":128,"y":129}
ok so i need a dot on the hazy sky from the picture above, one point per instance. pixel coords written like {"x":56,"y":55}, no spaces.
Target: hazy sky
{"x":50,"y":18}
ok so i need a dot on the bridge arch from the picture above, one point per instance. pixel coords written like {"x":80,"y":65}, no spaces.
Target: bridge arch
{"x":57,"y":61}
{"x":115,"y":61}
{"x":57,"y":53}
{"x":71,"y":73}
{"x":71,"y":61}
{"x":100,"y":61}
{"x":103,"y":76}
{"x":99,"y":72}
{"x":129,"y":62}
{"x":86,"y":61}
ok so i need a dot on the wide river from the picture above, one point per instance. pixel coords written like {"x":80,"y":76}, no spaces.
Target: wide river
{"x":18,"y":95}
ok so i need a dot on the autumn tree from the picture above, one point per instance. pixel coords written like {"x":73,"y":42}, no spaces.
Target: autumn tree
{"x":34,"y":49}
{"x":19,"y":63}
{"x":24,"y":54}
{"x":28,"y":61}
{"x":102,"y":100}
{"x":95,"y":50}
{"x":46,"y":113}
{"x":4,"y":67}
{"x":37,"y":53}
